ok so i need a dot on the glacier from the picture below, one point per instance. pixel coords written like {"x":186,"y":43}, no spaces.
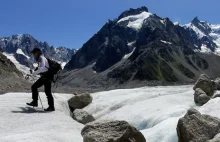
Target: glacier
{"x":155,"y":111}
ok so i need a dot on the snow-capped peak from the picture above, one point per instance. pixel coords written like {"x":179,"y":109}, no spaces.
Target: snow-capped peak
{"x":136,"y":21}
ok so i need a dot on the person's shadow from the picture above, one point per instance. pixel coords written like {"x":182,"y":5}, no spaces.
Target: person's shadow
{"x":28,"y":110}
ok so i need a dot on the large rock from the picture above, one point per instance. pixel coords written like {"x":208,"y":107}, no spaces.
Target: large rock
{"x":217,"y":84}
{"x":195,"y":127}
{"x":206,"y":84}
{"x":114,"y":131}
{"x":200,"y":97}
{"x":215,"y":139}
{"x":82,"y":116}
{"x":80,"y":101}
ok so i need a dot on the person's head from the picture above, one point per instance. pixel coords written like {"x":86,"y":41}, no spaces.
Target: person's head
{"x":36,"y":53}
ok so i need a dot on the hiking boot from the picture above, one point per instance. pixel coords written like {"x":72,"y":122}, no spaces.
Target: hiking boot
{"x":49,"y":109}
{"x":33,"y":104}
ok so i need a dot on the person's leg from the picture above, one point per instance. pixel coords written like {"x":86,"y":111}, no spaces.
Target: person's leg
{"x":35,"y":87}
{"x":48,"y":92}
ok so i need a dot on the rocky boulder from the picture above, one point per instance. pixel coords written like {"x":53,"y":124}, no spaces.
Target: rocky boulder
{"x":111,"y":131}
{"x":200,"y":97}
{"x":82,"y":116}
{"x":206,"y":84}
{"x":80,"y":101}
{"x":195,"y":127}
{"x":217,"y":83}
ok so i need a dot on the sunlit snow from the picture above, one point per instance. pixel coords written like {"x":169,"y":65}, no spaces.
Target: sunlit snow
{"x":19,"y":123}
{"x":22,"y":68}
{"x":153,"y":110}
{"x":19,"y":51}
{"x":136,"y":21}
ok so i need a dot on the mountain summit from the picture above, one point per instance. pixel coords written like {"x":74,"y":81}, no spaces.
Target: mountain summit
{"x":140,"y":46}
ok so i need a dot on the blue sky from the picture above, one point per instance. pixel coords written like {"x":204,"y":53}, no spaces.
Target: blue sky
{"x":71,"y":23}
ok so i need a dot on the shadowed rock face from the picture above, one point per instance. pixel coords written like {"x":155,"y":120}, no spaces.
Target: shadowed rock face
{"x":112,"y":131}
{"x":197,"y":128}
{"x":105,"y":48}
{"x":10,"y":78}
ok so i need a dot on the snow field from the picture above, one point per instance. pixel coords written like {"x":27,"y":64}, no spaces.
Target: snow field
{"x":19,"y":123}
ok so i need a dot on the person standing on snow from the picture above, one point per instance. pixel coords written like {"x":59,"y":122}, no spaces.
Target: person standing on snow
{"x":45,"y":79}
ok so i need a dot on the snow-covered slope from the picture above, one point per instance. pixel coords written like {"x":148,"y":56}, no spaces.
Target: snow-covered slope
{"x":135,"y":21}
{"x":24,"y":69}
{"x":153,"y":110}
{"x":19,"y":123}
{"x":206,"y":32}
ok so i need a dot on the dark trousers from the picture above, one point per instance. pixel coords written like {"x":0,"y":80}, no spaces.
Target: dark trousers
{"x":47,"y":87}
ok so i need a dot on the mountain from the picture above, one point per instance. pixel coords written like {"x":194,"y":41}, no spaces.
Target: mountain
{"x":141,"y":48}
{"x":10,"y":77}
{"x":19,"y":47}
{"x":209,"y":34}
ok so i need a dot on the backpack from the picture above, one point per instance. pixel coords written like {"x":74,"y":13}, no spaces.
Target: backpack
{"x":54,"y":67}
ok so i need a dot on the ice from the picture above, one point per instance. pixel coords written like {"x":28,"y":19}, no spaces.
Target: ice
{"x":136,"y":21}
{"x":153,"y":110}
{"x":19,"y":123}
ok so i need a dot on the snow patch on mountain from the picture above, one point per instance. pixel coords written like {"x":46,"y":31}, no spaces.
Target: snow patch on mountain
{"x":25,"y":70}
{"x":166,"y":42}
{"x":194,"y":28}
{"x":19,"y":51}
{"x":136,"y":21}
{"x":204,"y":49}
{"x":215,"y":34}
{"x":128,"y":55}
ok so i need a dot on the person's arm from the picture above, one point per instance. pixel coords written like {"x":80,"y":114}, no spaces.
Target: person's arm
{"x":42,"y":67}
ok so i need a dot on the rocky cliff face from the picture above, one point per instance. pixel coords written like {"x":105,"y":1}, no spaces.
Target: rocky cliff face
{"x":10,"y":76}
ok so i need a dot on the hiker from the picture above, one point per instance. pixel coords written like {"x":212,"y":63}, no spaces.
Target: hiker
{"x":45,"y":79}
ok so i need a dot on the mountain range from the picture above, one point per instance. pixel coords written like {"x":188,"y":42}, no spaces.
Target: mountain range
{"x":136,"y":49}
{"x":19,"y":48}
{"x":141,"y":48}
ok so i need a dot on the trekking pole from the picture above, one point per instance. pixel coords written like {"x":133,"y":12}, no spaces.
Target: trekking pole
{"x":41,"y":102}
